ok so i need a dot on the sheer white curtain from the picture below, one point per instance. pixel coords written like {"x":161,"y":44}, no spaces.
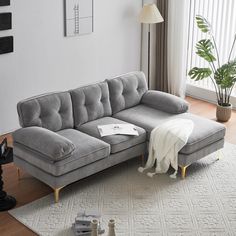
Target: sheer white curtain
{"x":178,"y":15}
{"x":222,"y":17}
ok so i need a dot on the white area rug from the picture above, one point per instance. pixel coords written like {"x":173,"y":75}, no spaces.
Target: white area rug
{"x":202,"y":204}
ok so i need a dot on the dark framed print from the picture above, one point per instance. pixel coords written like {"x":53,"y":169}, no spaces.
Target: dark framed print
{"x":3,"y":147}
{"x":6,"y":44}
{"x":4,"y":3}
{"x":5,"y":21}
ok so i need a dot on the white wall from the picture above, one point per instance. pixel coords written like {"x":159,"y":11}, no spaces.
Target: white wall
{"x":44,"y":60}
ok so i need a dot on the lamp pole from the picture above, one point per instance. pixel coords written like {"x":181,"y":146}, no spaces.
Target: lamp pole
{"x":150,"y":15}
{"x":149,"y":47}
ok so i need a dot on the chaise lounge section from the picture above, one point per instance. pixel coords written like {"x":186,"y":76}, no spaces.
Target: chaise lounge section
{"x":59,"y":142}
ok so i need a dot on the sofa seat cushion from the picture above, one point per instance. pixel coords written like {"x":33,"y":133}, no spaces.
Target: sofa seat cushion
{"x":117,"y":142}
{"x":205,"y":131}
{"x":87,"y":150}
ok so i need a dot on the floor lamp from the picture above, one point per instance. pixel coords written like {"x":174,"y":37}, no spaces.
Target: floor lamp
{"x":150,"y":15}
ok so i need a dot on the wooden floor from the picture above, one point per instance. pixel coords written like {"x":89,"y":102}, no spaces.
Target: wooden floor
{"x":29,"y":189}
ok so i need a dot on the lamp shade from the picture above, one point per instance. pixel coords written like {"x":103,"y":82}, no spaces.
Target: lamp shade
{"x":150,"y":14}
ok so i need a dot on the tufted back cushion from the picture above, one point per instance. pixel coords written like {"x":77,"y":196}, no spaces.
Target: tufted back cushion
{"x":50,"y":111}
{"x":90,"y":103}
{"x":126,"y":90}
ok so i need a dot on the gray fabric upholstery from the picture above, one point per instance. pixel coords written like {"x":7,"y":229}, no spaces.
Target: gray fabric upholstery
{"x":126,"y":90}
{"x":204,"y":133}
{"x":80,"y":173}
{"x":143,"y":116}
{"x":164,"y":102}
{"x":90,"y":103}
{"x":187,"y":159}
{"x":45,"y":142}
{"x":75,"y":150}
{"x":51,"y":111}
{"x":117,"y":142}
{"x":87,"y":151}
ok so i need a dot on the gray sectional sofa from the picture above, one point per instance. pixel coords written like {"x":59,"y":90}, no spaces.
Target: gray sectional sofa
{"x":59,"y":142}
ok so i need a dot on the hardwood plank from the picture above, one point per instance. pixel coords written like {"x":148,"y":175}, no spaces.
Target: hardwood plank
{"x":29,"y":189}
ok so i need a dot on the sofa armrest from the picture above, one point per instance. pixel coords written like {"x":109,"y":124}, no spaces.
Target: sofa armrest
{"x":50,"y":144}
{"x":165,"y":102}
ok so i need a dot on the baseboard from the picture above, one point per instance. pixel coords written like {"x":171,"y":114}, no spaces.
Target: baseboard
{"x":205,"y":95}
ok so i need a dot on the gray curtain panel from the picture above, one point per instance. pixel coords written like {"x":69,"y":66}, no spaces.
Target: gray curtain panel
{"x":161,"y":81}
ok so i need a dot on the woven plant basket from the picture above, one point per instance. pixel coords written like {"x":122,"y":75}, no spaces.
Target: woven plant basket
{"x":223,"y":113}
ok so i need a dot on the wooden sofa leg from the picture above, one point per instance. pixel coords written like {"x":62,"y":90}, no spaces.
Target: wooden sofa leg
{"x":56,"y":194}
{"x":18,"y":173}
{"x":183,"y":171}
{"x":142,"y":159}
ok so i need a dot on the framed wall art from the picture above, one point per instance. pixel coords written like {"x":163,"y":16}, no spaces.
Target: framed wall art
{"x":4,"y":3}
{"x":5,"y":21}
{"x":6,"y":44}
{"x":78,"y":17}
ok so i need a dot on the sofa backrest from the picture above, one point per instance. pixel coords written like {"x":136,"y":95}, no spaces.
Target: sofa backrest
{"x":126,"y":90}
{"x":51,"y":111}
{"x":90,"y":103}
{"x":63,"y":110}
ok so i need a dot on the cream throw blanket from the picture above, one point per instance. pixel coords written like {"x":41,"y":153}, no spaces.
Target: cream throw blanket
{"x":165,"y":142}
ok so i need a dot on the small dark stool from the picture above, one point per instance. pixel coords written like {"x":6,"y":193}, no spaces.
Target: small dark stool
{"x":6,"y":202}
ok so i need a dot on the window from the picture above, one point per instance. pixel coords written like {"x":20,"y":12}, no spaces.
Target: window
{"x":221,"y":15}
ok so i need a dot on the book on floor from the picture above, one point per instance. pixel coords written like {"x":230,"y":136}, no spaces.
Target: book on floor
{"x":82,"y":224}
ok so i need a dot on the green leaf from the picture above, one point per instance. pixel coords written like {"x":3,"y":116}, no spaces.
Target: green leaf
{"x":225,"y":76}
{"x":204,"y":49}
{"x":203,"y":24}
{"x":199,"y":73}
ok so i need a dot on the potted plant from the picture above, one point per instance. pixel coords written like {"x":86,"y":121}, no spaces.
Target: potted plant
{"x":223,"y":76}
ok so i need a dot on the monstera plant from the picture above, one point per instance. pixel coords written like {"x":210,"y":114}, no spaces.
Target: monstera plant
{"x":223,"y":76}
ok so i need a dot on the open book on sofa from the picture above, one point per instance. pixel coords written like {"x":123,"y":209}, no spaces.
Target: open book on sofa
{"x":125,"y":129}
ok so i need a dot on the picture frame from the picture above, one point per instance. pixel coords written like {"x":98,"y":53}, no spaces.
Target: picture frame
{"x":5,"y":3}
{"x":5,"y":21}
{"x":79,"y":17}
{"x":3,"y":147}
{"x":6,"y":44}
